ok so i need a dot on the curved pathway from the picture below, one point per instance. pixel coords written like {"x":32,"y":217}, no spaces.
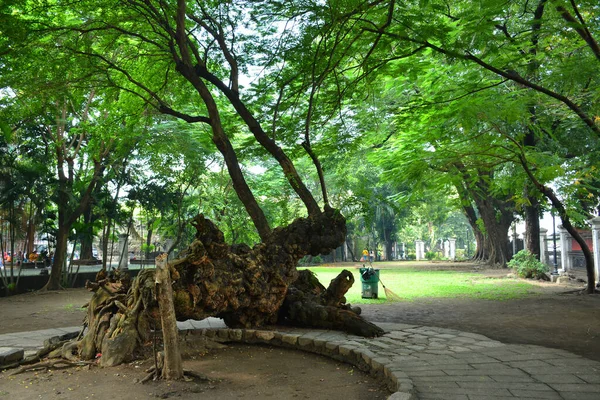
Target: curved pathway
{"x":417,"y":362}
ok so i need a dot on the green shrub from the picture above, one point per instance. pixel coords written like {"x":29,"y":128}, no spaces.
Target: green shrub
{"x":411,"y":256}
{"x":527,"y":266}
{"x":430,"y":255}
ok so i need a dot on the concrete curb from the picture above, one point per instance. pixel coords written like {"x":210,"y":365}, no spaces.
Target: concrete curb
{"x":336,"y":345}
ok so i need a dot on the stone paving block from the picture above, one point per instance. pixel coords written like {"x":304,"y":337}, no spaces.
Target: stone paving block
{"x":449,"y":367}
{"x":438,"y":359}
{"x":464,"y":340}
{"x":378,"y":363}
{"x":446,"y":336}
{"x":249,"y":335}
{"x":305,"y":342}
{"x":538,"y":387}
{"x":387,"y":340}
{"x":396,"y":335}
{"x":400,"y":396}
{"x":468,"y":392}
{"x":410,"y":364}
{"x":488,"y":372}
{"x":483,"y":397}
{"x":512,"y":356}
{"x":319,"y":345}
{"x":490,"y":344}
{"x":210,"y":333}
{"x":579,"y":396}
{"x":437,"y":345}
{"x":236,"y":334}
{"x":380,"y":345}
{"x":528,"y":364}
{"x":433,"y":386}
{"x":333,"y":347}
{"x":313,"y":334}
{"x":223,"y":333}
{"x":433,"y":372}
{"x":578,"y":362}
{"x":533,"y":394}
{"x":29,"y":353}
{"x":25,"y":343}
{"x":577,"y":387}
{"x":473,"y":358}
{"x":458,"y":349}
{"x":439,"y":352}
{"x":553,"y":370}
{"x":437,"y":396}
{"x":405,"y":385}
{"x":290,"y":339}
{"x":10,"y":354}
{"x":480,"y":378}
{"x":589,"y":378}
{"x":475,"y":348}
{"x":346,"y":350}
{"x":405,"y":358}
{"x":558,"y":378}
{"x":265,"y":336}
{"x":513,"y":378}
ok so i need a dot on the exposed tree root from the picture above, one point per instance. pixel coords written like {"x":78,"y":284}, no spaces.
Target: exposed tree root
{"x":54,"y":364}
{"x":247,"y":287}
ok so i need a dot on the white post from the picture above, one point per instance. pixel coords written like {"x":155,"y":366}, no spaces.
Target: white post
{"x":515,"y":236}
{"x":596,"y":245}
{"x":452,"y":248}
{"x":123,"y":252}
{"x":447,"y":249}
{"x":566,"y":245}
{"x":403,"y":251}
{"x":419,"y":247}
{"x":543,"y":246}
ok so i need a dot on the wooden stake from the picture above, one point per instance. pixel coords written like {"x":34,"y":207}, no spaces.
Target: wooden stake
{"x":173,"y":366}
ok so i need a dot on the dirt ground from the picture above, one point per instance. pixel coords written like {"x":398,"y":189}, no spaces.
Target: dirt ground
{"x":558,"y":316}
{"x":238,"y":371}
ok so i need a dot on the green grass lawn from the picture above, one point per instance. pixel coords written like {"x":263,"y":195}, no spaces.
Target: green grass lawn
{"x":413,"y":284}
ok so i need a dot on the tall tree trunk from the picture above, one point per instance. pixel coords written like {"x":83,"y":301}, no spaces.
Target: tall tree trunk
{"x":87,"y":235}
{"x":532,"y":227}
{"x":479,"y":254}
{"x":497,"y":232}
{"x":60,"y":255}
{"x":566,"y":222}
{"x":149,"y":230}
{"x":30,"y":231}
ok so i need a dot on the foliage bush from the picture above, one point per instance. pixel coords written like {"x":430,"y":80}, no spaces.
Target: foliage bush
{"x":411,"y":256}
{"x":430,"y":255}
{"x":526,"y":265}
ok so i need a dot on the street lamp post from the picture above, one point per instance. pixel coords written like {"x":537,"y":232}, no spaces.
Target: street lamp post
{"x":555,"y":272}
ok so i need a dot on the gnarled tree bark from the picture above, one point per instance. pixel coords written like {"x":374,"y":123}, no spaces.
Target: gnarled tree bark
{"x":247,"y":287}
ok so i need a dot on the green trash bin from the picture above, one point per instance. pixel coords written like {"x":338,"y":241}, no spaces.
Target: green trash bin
{"x":370,"y":282}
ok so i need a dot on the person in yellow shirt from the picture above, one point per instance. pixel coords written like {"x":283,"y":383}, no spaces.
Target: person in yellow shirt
{"x":365,"y":255}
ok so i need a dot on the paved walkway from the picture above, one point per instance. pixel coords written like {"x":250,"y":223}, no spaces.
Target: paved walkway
{"x":417,"y":362}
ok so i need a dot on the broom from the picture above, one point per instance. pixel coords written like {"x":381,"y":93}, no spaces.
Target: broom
{"x":389,"y":295}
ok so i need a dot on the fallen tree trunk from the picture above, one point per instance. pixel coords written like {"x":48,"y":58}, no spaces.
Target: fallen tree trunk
{"x":247,"y":287}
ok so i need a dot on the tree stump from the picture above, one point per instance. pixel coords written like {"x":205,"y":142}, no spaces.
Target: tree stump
{"x":247,"y":287}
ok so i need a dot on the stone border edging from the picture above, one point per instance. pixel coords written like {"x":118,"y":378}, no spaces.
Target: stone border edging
{"x":332,"y":344}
